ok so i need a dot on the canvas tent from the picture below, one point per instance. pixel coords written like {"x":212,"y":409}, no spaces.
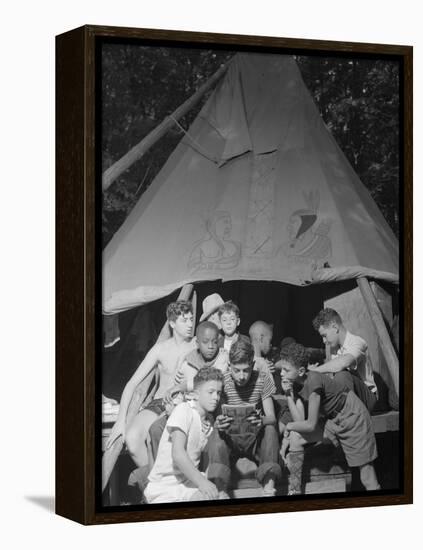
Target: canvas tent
{"x":258,"y":190}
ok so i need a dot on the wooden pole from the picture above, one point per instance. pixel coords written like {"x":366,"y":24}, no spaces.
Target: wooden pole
{"x":134,"y":154}
{"x":142,"y":394}
{"x":194,"y":310}
{"x":379,"y":324}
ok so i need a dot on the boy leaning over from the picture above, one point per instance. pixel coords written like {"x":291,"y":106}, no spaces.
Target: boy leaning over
{"x":349,"y":353}
{"x":175,"y":475}
{"x":347,"y":420}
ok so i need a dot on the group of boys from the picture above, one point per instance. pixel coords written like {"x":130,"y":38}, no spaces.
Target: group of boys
{"x":215,"y":404}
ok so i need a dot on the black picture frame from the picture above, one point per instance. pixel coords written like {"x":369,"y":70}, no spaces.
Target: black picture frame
{"x":78,"y":261}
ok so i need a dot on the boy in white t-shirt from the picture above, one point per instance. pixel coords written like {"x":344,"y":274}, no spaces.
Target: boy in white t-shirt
{"x":349,"y":352}
{"x":175,"y":475}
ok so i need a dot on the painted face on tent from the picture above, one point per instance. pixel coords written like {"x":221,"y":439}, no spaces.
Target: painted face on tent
{"x":230,"y":322}
{"x":208,"y":395}
{"x":330,"y":334}
{"x":300,"y":222}
{"x":183,"y":325}
{"x":207,"y":343}
{"x":223,"y":226}
{"x":241,"y":373}
{"x":293,"y":226}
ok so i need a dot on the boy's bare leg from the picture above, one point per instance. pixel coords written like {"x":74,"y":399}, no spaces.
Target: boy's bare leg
{"x":136,"y":436}
{"x":368,"y":477}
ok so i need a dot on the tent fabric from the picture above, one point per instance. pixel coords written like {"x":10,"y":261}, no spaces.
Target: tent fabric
{"x":258,"y":189}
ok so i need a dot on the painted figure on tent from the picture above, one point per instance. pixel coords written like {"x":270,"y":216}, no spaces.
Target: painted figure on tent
{"x":308,"y":242}
{"x":217,"y":250}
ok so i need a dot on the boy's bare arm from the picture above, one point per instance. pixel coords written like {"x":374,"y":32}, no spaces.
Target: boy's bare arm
{"x":184,"y":464}
{"x":296,"y":408}
{"x":269,"y":411}
{"x":309,"y":425}
{"x":149,"y":362}
{"x":295,"y":404}
{"x":338,"y":364}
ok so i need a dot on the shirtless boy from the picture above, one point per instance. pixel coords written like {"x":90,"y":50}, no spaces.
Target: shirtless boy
{"x":166,"y":357}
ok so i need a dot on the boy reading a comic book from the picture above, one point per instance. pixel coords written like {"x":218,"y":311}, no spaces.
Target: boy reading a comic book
{"x":246,"y":426}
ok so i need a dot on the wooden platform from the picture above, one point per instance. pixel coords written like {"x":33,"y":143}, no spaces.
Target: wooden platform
{"x":325,"y":469}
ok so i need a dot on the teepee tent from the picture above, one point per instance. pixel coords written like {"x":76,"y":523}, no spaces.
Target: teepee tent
{"x":256,"y":190}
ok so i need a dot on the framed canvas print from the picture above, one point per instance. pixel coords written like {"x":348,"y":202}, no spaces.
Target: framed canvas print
{"x":234,"y":288}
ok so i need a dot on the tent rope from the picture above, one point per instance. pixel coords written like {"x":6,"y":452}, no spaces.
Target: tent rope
{"x":194,"y":144}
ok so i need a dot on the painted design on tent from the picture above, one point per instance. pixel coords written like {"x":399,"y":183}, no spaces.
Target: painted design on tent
{"x":216,"y":250}
{"x":259,"y":238}
{"x":308,"y":242}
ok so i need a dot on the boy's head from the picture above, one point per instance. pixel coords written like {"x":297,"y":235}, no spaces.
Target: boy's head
{"x":208,"y":383}
{"x":207,"y":335}
{"x":329,"y":325}
{"x":229,"y":318}
{"x":293,"y":361}
{"x":241,"y":361}
{"x":261,"y":335}
{"x":180,"y":317}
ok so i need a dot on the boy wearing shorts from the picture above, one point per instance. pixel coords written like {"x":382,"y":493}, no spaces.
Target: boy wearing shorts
{"x":347,"y":420}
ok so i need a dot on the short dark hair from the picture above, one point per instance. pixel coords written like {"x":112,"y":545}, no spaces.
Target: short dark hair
{"x":325,"y":317}
{"x":204,"y":325}
{"x":207,"y":374}
{"x":175,"y":309}
{"x":228,"y":307}
{"x":296,"y":354}
{"x":241,"y":351}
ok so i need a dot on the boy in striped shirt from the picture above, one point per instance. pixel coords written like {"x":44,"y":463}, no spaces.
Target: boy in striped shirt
{"x":256,"y":437}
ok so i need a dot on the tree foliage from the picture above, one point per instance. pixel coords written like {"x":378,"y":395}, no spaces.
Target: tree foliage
{"x":358,"y":99}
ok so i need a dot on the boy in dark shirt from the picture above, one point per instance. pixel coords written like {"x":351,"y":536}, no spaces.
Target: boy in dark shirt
{"x":347,"y":420}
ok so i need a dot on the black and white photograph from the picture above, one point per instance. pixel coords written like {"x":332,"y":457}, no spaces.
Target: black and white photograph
{"x":251,"y":274}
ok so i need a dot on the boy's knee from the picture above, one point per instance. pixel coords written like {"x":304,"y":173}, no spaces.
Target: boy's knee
{"x":134,"y":437}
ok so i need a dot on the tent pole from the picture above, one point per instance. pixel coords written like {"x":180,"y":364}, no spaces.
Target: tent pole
{"x":194,"y":310}
{"x":134,"y":154}
{"x":379,"y":324}
{"x":141,"y":394}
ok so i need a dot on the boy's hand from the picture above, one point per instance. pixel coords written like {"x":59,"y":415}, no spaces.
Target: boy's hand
{"x":255,"y":419}
{"x":179,"y":377}
{"x":286,"y":386}
{"x":223,"y":422}
{"x":285,"y":448}
{"x":208,"y":489}
{"x":168,"y":396}
{"x":271,"y":367}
